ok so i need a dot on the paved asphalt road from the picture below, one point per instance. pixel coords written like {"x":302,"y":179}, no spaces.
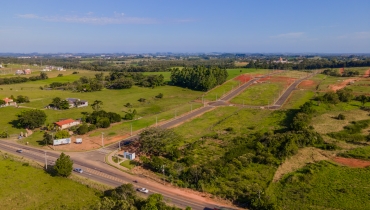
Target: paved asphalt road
{"x":103,"y":174}
{"x":96,"y":169}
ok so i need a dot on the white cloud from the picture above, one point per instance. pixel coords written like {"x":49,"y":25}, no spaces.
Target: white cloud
{"x":118,"y":18}
{"x":289,"y":35}
{"x":355,"y":35}
{"x":361,"y":35}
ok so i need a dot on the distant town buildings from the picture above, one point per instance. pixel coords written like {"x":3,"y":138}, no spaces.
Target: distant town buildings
{"x":50,"y":68}
{"x":20,"y":72}
{"x":281,"y":60}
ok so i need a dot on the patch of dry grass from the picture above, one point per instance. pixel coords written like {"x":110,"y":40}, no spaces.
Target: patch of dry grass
{"x":327,"y":122}
{"x":299,"y":160}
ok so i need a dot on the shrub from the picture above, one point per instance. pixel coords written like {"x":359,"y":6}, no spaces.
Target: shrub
{"x":341,"y":117}
{"x":62,"y":134}
{"x":160,"y":95}
{"x":103,"y":122}
{"x":91,"y":127}
{"x":84,"y":128}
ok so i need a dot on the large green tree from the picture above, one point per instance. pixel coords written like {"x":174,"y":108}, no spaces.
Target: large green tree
{"x":157,"y":141}
{"x":96,"y":106}
{"x":63,"y":165}
{"x":32,"y":118}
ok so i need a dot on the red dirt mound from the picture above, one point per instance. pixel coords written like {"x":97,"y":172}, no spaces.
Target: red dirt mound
{"x":243,"y":78}
{"x":351,"y":162}
{"x":341,"y":70}
{"x":286,"y":80}
{"x":306,"y":84}
{"x":367,"y":73}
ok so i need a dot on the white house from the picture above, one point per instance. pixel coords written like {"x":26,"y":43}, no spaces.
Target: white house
{"x":75,"y":102}
{"x":63,"y":124}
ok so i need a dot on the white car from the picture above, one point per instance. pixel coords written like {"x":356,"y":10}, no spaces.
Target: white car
{"x":78,"y":170}
{"x":143,"y":190}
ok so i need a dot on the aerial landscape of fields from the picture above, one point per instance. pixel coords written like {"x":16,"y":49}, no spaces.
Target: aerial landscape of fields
{"x":184,"y":105}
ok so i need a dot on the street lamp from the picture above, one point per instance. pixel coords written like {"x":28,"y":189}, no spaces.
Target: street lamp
{"x":46,"y":161}
{"x":102,"y":139}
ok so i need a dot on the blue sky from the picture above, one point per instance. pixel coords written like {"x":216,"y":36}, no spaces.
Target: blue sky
{"x":135,"y":26}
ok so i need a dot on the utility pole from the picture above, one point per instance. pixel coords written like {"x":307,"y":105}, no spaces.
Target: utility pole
{"x":46,"y":161}
{"x":131,"y":130}
{"x":102,"y":139}
{"x":163,"y":174}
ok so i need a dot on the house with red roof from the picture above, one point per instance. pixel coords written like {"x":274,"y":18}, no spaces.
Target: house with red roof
{"x":67,"y":123}
{"x":9,"y":102}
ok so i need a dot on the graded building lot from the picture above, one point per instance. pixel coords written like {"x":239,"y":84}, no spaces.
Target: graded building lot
{"x":264,"y":92}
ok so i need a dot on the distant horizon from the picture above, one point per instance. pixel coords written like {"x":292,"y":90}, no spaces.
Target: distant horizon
{"x":169,"y":52}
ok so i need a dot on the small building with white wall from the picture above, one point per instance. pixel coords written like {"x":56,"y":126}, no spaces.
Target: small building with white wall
{"x":63,"y":124}
{"x":128,"y":155}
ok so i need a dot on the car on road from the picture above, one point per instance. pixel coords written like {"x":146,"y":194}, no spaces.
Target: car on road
{"x":78,"y":170}
{"x":19,"y":150}
{"x":143,"y":190}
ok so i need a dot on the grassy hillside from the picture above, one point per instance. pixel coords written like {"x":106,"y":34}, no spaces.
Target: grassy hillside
{"x":25,"y":187}
{"x":323,"y":186}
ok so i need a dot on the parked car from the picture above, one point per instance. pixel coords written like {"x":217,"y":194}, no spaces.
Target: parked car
{"x":19,"y":151}
{"x":78,"y":170}
{"x":143,"y":190}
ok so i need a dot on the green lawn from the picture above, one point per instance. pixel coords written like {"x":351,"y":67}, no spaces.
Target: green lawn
{"x":298,"y":98}
{"x":223,"y":89}
{"x":259,"y":94}
{"x":323,"y":185}
{"x":25,"y":187}
{"x":127,"y":164}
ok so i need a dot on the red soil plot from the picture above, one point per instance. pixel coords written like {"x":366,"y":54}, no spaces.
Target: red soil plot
{"x":351,"y":162}
{"x":286,"y":80}
{"x":367,"y":73}
{"x":306,"y":84}
{"x":243,"y":78}
{"x":341,"y":71}
{"x":247,"y":77}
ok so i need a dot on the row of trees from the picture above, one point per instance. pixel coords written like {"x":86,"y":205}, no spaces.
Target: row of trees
{"x":336,"y":73}
{"x":306,"y":63}
{"x":198,"y":78}
{"x":115,"y":80}
{"x":14,"y":80}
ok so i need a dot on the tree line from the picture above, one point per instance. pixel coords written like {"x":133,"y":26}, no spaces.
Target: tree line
{"x":14,"y":80}
{"x":198,"y":78}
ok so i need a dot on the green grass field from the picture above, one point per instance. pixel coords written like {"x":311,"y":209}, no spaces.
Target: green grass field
{"x":175,"y":98}
{"x":298,"y":98}
{"x":25,"y":187}
{"x":359,"y":153}
{"x":214,"y":124}
{"x":223,"y":89}
{"x":259,"y":94}
{"x":323,"y":185}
